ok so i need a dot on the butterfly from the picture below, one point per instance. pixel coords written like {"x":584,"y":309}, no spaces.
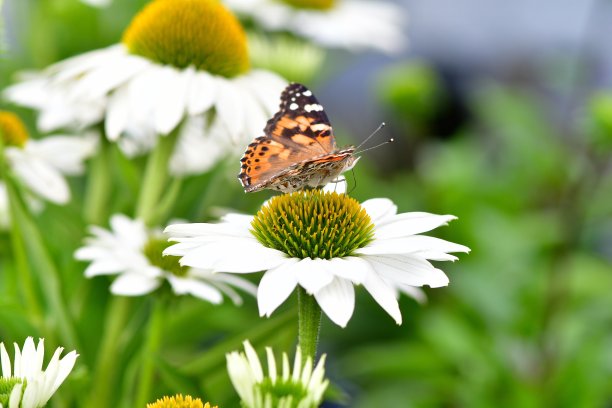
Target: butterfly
{"x":298,"y":150}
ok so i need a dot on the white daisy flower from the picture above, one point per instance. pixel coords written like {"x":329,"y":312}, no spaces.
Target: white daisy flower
{"x":325,"y":243}
{"x":97,"y":3}
{"x":134,"y":253}
{"x":32,"y":386}
{"x":41,"y":164}
{"x":350,"y":24}
{"x":303,"y":388}
{"x":182,"y":66}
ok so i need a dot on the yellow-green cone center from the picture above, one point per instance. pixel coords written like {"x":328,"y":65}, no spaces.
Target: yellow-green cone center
{"x":154,"y":249}
{"x":6,"y":387}
{"x":178,"y":401}
{"x":311,"y":4}
{"x":313,"y":224}
{"x":12,"y":130}
{"x":183,"y":33}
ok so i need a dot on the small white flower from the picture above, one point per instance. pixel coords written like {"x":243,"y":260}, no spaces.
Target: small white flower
{"x":97,"y":3}
{"x":274,"y":390}
{"x":325,"y":248}
{"x":134,"y":253}
{"x":350,"y":24}
{"x":35,"y":386}
{"x":143,"y":88}
{"x":41,"y":164}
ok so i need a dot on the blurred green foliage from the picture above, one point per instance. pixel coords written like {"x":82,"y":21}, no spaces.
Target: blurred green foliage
{"x":526,"y":320}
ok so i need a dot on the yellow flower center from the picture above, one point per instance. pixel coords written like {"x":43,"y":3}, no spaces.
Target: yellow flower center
{"x":178,"y":401}
{"x":313,"y":224}
{"x":183,"y":33}
{"x":311,"y":4}
{"x":12,"y":130}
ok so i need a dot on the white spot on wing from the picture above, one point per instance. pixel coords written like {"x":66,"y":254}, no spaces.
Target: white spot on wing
{"x":313,"y":107}
{"x":307,"y":93}
{"x":293,"y":106}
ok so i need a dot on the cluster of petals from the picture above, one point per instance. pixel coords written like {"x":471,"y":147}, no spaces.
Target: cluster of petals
{"x":396,"y":260}
{"x":138,"y":100}
{"x":120,"y":251}
{"x":37,"y":385}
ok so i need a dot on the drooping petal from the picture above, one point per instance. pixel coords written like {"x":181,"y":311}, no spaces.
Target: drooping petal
{"x":408,"y":270}
{"x":313,"y":274}
{"x":134,"y":284}
{"x":337,"y":300}
{"x":197,"y":288}
{"x":275,"y":287}
{"x":384,"y":295}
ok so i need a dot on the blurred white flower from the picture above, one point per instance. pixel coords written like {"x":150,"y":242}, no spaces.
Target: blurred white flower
{"x":33,"y":386}
{"x":134,"y":253}
{"x":98,"y":3}
{"x":350,"y":24}
{"x":170,"y":73}
{"x":325,"y":243}
{"x":41,"y":164}
{"x":303,"y":388}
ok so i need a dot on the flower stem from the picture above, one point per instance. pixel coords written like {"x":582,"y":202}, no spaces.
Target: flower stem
{"x":104,"y":377}
{"x":98,"y":186}
{"x":149,"y":352}
{"x":309,"y":323}
{"x":154,"y":180}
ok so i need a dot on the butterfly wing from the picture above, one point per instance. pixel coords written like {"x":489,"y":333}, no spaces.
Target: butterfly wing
{"x":299,"y":131}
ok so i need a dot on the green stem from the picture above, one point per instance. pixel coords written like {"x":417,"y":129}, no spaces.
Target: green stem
{"x":43,"y":265}
{"x":149,"y":352}
{"x":24,"y":271}
{"x":154,"y":179}
{"x":98,"y":186}
{"x":309,"y":323}
{"x":104,"y":381}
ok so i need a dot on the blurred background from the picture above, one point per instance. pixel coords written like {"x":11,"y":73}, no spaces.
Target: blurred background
{"x":502,"y":116}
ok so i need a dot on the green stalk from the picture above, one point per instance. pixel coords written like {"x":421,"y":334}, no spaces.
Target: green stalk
{"x":34,"y":308}
{"x":98,"y":186}
{"x":149,"y":352}
{"x":309,"y":323}
{"x":104,"y":378}
{"x":154,"y":180}
{"x":42,"y":265}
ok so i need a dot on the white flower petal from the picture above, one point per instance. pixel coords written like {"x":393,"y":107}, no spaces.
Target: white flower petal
{"x":65,"y":153}
{"x":384,"y":295}
{"x":416,"y":244}
{"x":379,"y":209}
{"x":201,"y":94}
{"x":412,"y":223}
{"x":313,"y":274}
{"x":352,"y":268}
{"x":134,"y":284}
{"x":171,"y":101}
{"x":275,"y":287}
{"x":407,"y":270}
{"x":197,"y":288}
{"x":337,"y":300}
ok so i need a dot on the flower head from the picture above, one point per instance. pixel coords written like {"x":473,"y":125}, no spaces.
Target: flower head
{"x":134,"y":253}
{"x":351,"y":24}
{"x":182,"y":66}
{"x":178,"y":401}
{"x":325,"y":242}
{"x":40,"y":164}
{"x":24,"y":383}
{"x":303,"y":387}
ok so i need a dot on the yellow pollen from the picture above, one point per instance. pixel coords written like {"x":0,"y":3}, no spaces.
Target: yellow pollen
{"x":12,"y":130}
{"x":183,"y":33}
{"x":311,"y":4}
{"x":178,"y":401}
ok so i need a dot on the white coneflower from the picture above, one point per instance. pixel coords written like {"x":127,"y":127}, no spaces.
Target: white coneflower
{"x":24,"y":382}
{"x":41,"y":164}
{"x":301,"y":388}
{"x":351,"y":24}
{"x":325,"y":243}
{"x":134,"y":253}
{"x":182,"y":66}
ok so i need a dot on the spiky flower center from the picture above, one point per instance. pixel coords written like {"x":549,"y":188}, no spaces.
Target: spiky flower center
{"x":311,"y":4}
{"x":313,"y":224}
{"x":154,"y":249}
{"x":12,"y":130}
{"x":283,"y":393}
{"x":178,"y":401}
{"x":183,"y":33}
{"x":6,"y":387}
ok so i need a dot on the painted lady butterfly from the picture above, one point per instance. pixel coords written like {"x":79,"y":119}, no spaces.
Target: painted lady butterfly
{"x":298,"y":150}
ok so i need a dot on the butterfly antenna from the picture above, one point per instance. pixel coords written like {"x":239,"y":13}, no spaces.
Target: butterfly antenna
{"x":355,"y":182}
{"x":382,"y":125}
{"x":374,"y":147}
